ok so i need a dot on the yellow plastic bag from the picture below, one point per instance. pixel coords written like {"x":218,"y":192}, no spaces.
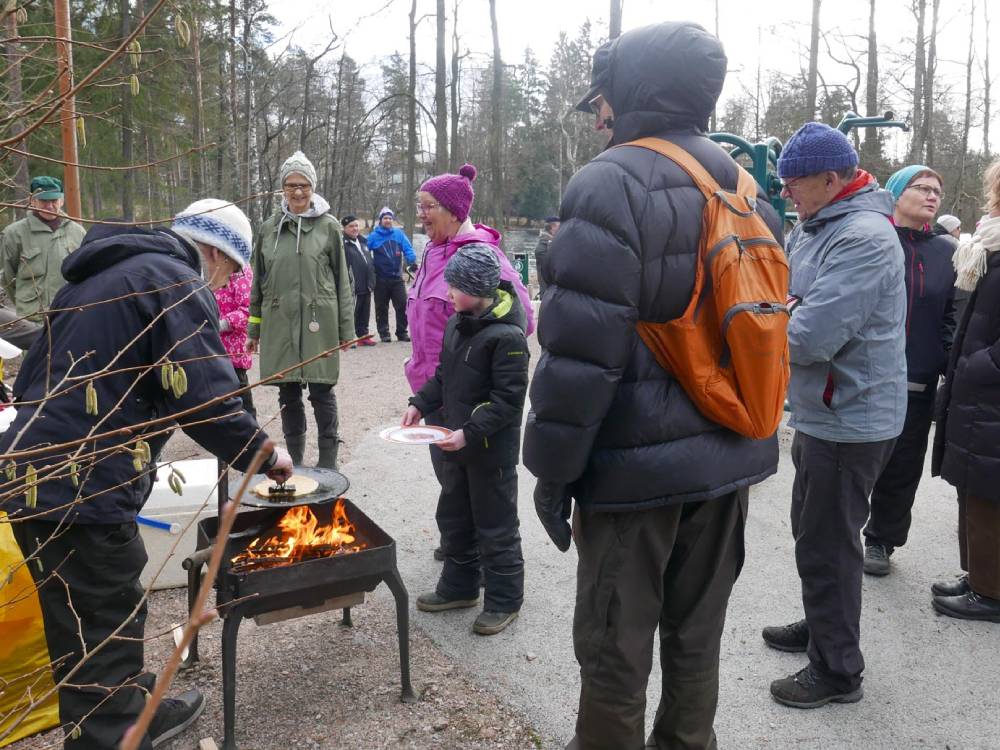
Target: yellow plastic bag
{"x":24,"y":654}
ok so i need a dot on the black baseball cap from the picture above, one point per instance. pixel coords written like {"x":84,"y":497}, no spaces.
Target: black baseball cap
{"x":600,"y":76}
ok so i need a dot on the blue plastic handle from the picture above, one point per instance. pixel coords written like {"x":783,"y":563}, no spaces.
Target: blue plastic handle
{"x":170,"y":528}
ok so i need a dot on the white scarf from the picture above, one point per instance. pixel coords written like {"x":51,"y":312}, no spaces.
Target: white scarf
{"x":972,"y":254}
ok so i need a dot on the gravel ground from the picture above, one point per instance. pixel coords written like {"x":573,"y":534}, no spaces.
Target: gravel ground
{"x":312,"y":683}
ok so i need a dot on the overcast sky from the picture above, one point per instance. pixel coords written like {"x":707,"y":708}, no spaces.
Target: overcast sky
{"x":779,"y":30}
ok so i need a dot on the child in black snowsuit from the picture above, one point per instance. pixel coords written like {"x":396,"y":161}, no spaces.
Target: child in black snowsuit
{"x":480,"y":385}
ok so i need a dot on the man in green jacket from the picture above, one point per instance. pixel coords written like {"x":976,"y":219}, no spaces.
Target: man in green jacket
{"x":34,"y":248}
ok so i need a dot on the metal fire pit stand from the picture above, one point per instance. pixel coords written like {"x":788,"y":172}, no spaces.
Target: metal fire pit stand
{"x":345,"y":589}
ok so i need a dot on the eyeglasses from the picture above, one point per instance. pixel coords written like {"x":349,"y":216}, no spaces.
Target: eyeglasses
{"x":595,"y":104}
{"x":928,"y":191}
{"x":794,"y":182}
{"x":426,"y":208}
{"x":296,"y":188}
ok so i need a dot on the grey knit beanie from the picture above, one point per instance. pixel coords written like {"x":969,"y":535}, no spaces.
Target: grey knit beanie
{"x":474,"y":269}
{"x":298,"y":162}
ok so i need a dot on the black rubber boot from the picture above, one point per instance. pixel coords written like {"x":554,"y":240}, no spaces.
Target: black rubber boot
{"x":296,"y":445}
{"x":328,"y":450}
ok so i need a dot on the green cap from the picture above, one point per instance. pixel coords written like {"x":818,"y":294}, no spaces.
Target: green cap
{"x":46,"y":188}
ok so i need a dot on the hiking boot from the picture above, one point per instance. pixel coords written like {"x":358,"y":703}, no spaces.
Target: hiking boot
{"x":806,"y":689}
{"x":296,"y":446}
{"x":367,"y":342}
{"x":957,"y":587}
{"x":491,"y":623}
{"x":174,"y":715}
{"x":402,"y":337}
{"x":386,"y":339}
{"x":434,"y":602}
{"x":793,"y":638}
{"x":968,"y":606}
{"x":877,"y":560}
{"x":328,"y":450}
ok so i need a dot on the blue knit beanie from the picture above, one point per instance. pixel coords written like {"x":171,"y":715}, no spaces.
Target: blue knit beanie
{"x":816,"y":148}
{"x":903,"y":177}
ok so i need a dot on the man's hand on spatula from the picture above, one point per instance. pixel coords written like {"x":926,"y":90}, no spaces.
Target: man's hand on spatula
{"x":281,"y":469}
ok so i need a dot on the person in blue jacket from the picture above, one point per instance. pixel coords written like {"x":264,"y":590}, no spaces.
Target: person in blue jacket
{"x":389,"y":246}
{"x":930,"y":327}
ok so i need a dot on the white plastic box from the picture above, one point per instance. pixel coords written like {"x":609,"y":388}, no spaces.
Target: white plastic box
{"x":186,"y":510}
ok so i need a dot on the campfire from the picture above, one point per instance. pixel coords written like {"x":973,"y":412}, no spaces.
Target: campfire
{"x":301,"y":537}
{"x":343,"y":554}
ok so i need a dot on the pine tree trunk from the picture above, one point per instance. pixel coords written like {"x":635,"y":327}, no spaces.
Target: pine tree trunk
{"x":813,"y":62}
{"x":128,"y":178}
{"x":198,"y":121}
{"x":496,"y":129}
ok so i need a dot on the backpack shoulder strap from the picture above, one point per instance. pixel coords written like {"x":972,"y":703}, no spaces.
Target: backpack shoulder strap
{"x":698,"y":174}
{"x":746,"y":186}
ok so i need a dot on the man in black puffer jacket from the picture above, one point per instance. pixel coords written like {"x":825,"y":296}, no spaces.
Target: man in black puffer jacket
{"x":661,"y":490}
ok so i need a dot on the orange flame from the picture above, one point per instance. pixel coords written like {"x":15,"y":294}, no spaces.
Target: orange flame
{"x":302,"y":538}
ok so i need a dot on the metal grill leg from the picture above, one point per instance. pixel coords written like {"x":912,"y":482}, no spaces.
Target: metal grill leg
{"x":230,"y":629}
{"x":395,"y":584}
{"x":194,"y":582}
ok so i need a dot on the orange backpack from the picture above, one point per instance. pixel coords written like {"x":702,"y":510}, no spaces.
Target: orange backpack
{"x":729,"y":350}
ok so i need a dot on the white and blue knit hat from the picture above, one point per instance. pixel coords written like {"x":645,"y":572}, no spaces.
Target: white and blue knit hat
{"x":217,"y":223}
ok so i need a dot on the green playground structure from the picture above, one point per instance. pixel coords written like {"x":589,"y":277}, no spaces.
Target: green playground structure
{"x":763,"y":156}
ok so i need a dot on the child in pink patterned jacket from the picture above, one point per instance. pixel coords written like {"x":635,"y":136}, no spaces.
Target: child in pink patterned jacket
{"x":234,"y":304}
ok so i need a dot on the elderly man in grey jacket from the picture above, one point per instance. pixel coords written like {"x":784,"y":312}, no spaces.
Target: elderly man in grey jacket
{"x":847,"y":394}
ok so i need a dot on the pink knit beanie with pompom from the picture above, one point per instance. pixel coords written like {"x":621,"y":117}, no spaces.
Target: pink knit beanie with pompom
{"x":453,"y":191}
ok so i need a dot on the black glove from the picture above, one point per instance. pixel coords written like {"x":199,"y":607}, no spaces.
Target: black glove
{"x":412,"y":268}
{"x":553,"y":505}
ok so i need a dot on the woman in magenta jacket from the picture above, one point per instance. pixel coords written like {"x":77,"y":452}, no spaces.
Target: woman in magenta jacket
{"x":443,"y":204}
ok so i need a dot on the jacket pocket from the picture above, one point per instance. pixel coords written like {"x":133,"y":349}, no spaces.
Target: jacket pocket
{"x":828,"y":389}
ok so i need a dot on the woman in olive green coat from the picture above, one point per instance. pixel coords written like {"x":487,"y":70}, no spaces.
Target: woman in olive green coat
{"x":301,"y":304}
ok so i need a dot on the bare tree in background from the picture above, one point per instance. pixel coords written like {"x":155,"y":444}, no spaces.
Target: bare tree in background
{"x":713,"y":123}
{"x":966,"y":124}
{"x":986,"y":82}
{"x":919,"y":9}
{"x":15,"y":102}
{"x":455,"y":86}
{"x":813,"y":61}
{"x":310,"y":76}
{"x":872,"y":151}
{"x":615,"y":20}
{"x":440,"y":95}
{"x":409,"y":177}
{"x":929,"y":73}
{"x":496,"y":130}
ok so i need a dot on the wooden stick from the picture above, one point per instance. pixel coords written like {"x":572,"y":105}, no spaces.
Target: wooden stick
{"x":198,"y":616}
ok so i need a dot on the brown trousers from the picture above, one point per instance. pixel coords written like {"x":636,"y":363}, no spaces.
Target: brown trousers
{"x":979,"y":543}
{"x":670,"y":568}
